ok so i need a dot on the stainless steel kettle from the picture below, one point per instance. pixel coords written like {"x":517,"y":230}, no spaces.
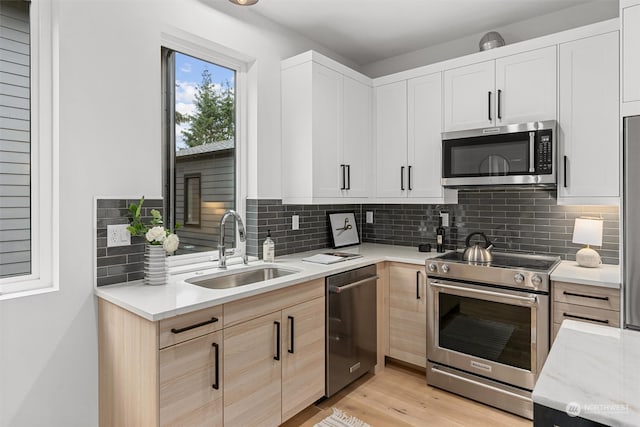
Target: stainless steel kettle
{"x":477,"y":252}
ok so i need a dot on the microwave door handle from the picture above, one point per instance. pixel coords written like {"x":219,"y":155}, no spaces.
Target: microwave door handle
{"x":532,"y":152}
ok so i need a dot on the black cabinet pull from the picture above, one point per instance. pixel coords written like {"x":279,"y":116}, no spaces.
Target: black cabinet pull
{"x":348,"y":177}
{"x":292,"y":334}
{"x":499,"y":107}
{"x":197,"y":325}
{"x":573,"y":316}
{"x":216,"y":384}
{"x":489,"y":105}
{"x":402,"y":178}
{"x":572,"y":294}
{"x":344,"y":181}
{"x":277,"y":356}
{"x":565,"y":171}
{"x":409,"y":177}
{"x":417,"y":285}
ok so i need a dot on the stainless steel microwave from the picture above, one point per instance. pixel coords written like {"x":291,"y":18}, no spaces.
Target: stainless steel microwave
{"x":520,"y":154}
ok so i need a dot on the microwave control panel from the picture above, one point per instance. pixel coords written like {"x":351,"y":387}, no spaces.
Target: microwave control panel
{"x":544,"y":153}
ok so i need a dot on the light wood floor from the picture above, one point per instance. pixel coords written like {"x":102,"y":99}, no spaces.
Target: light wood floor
{"x":400,"y":397}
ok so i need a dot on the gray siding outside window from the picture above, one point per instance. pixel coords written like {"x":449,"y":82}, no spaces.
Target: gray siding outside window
{"x":15,"y":137}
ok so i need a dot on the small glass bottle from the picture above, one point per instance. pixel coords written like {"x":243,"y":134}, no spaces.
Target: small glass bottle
{"x":440,"y":239}
{"x":268,"y":249}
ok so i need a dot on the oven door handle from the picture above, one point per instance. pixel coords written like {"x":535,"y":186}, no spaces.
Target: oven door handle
{"x":530,"y":300}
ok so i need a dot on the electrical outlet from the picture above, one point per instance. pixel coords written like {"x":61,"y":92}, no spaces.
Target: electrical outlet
{"x":369,"y":217}
{"x":295,"y":222}
{"x":118,"y":235}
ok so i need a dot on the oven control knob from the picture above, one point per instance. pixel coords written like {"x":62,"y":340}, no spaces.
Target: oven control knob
{"x":445,"y":268}
{"x":519,"y":278}
{"x":433,"y":267}
{"x":536,"y":280}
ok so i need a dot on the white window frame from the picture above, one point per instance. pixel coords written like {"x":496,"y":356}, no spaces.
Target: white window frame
{"x":44,"y":158}
{"x":192,"y":45}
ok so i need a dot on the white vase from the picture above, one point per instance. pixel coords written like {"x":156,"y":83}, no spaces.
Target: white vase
{"x":155,"y":270}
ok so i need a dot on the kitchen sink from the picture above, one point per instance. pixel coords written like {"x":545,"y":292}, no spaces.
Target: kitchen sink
{"x":240,"y":278}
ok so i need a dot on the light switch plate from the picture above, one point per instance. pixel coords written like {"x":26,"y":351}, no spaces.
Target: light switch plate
{"x":369,"y":217}
{"x":118,"y":235}
{"x":445,"y":218}
{"x":295,"y":222}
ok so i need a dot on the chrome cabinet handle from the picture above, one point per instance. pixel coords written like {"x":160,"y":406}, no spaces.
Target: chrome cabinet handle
{"x":499,"y":104}
{"x":348,"y":185}
{"x":344,"y":182}
{"x":409,"y":177}
{"x":402,"y":178}
{"x":489,"y":105}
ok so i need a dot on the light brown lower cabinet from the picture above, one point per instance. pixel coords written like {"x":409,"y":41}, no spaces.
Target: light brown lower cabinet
{"x":274,"y":365}
{"x":194,"y":370}
{"x":407,"y":313}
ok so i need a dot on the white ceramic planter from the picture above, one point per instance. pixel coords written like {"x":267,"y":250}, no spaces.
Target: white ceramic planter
{"x":155,"y":270}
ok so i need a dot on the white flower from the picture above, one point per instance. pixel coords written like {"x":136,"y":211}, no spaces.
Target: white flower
{"x":171,"y":243}
{"x":156,"y":234}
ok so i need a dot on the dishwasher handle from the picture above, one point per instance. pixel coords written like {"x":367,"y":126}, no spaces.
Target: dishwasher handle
{"x":339,"y":289}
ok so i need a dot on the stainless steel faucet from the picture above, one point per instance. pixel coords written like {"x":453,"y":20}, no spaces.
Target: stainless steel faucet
{"x":222,"y":255}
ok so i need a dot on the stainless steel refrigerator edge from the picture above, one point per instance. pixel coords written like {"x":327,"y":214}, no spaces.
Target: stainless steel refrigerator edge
{"x":631,"y":222}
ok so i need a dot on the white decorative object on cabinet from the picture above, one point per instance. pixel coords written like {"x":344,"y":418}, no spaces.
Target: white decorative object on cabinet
{"x":513,"y":89}
{"x":630,"y":16}
{"x":326,"y":131}
{"x":408,"y":141}
{"x":589,"y":142}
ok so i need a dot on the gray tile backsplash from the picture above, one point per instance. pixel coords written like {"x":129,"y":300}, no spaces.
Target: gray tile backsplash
{"x":121,"y":263}
{"x":526,"y":221}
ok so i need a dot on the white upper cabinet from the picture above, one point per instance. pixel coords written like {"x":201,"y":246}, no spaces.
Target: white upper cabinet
{"x":326,"y":131}
{"x":526,"y":87}
{"x":391,"y":140}
{"x":589,"y":121}
{"x":469,"y":96}
{"x":630,"y":15}
{"x":408,"y":141}
{"x":514,"y":89}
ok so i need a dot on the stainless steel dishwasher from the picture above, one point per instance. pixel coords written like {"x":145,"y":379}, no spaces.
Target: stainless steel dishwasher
{"x":351,"y":326}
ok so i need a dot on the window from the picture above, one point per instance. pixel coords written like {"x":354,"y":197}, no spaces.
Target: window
{"x":28,"y":185}
{"x":199,"y":130}
{"x":192,"y":204}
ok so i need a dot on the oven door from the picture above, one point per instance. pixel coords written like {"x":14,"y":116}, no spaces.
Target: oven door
{"x":492,"y":332}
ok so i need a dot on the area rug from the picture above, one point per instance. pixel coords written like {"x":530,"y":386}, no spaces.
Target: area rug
{"x":340,"y":419}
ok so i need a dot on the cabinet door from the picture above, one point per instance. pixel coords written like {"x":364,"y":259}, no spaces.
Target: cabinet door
{"x":469,"y":98}
{"x":391,"y":140}
{"x":424,"y":136}
{"x":631,"y":53}
{"x":526,"y":87}
{"x":407,"y":314}
{"x":327,"y":131}
{"x":357,"y":145}
{"x":588,"y":119}
{"x":252,"y":375}
{"x":191,"y":382}
{"x":303,"y":350}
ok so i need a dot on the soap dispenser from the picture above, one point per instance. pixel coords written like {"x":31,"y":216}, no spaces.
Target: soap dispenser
{"x":268,"y":249}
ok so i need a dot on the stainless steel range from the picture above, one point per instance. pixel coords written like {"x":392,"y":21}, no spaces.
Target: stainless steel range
{"x":488,"y":327}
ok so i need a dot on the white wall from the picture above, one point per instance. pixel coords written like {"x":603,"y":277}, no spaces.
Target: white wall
{"x":565,"y":19}
{"x":110,"y":146}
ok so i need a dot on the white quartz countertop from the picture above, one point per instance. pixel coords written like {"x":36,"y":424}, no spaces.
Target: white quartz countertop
{"x":594,"y":370}
{"x":178,"y":297}
{"x":605,"y":275}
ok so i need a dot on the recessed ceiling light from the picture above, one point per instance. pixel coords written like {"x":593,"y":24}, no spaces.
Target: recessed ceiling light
{"x":244,"y":2}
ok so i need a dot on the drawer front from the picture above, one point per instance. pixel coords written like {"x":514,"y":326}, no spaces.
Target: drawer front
{"x":581,"y":313}
{"x":190,"y":325}
{"x":589,"y":296}
{"x":252,"y":307}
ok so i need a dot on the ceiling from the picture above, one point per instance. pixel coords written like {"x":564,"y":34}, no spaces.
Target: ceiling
{"x":366,"y":31}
